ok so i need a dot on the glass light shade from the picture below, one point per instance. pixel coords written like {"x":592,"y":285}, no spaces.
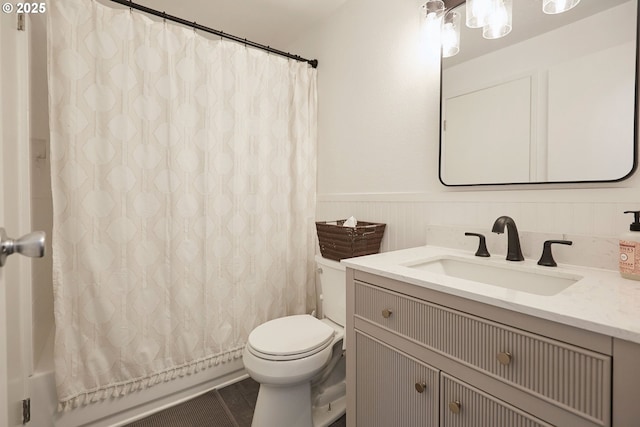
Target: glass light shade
{"x":477,"y":12}
{"x":552,"y":7}
{"x":451,"y":34}
{"x":500,"y":20}
{"x":434,"y":8}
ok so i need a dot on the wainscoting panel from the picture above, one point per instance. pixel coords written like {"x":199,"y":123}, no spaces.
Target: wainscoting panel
{"x":415,"y":220}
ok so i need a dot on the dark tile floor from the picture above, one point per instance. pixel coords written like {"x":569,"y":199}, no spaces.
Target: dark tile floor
{"x":231,"y":406}
{"x":241,"y":397}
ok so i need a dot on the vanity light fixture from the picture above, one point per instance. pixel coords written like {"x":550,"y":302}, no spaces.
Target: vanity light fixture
{"x":493,"y":16}
{"x":451,"y":34}
{"x":433,"y":9}
{"x":553,"y":7}
{"x":432,"y":12}
{"x":477,"y":12}
{"x":500,"y":20}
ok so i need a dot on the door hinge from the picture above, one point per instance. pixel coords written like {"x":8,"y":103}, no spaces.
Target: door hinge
{"x":21,"y":22}
{"x":26,"y":410}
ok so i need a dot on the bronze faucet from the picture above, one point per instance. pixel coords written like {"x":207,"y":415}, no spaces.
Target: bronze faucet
{"x":514,"y":253}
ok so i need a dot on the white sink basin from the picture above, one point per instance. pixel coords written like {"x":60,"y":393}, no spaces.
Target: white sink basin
{"x":523,"y":278}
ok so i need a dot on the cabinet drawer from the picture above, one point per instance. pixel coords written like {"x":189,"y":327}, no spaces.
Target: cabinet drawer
{"x":573,"y":378}
{"x":392,"y":388}
{"x":466,"y":406}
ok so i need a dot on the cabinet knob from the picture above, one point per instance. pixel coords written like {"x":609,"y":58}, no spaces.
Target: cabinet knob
{"x":421,"y":387}
{"x":386,"y":313}
{"x":454,"y":406}
{"x":504,"y":357}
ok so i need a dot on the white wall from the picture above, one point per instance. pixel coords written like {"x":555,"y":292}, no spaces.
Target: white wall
{"x":378,"y":140}
{"x":377,"y":93}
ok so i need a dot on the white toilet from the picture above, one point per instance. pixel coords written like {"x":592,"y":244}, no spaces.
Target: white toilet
{"x":299,"y":360}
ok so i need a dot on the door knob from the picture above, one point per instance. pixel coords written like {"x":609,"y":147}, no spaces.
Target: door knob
{"x":31,"y":245}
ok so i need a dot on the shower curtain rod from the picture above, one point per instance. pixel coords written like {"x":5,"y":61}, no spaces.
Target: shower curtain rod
{"x":195,"y":25}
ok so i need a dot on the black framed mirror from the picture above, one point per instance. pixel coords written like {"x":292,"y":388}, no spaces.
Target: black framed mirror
{"x":554,"y":101}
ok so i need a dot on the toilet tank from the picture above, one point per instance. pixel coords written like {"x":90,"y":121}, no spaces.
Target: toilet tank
{"x":332,"y":288}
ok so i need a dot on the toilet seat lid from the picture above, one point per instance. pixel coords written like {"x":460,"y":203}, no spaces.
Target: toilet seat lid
{"x":291,"y":335}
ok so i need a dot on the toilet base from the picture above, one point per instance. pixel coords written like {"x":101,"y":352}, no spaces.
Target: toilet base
{"x":329,"y":396}
{"x":308,"y":404}
{"x":283,"y":406}
{"x":298,"y":413}
{"x":325,"y":415}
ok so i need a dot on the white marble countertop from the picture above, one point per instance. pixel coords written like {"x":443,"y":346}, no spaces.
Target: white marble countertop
{"x":602,"y":301}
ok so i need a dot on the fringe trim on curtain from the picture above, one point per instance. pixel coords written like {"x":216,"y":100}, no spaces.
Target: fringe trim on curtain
{"x":125,"y":387}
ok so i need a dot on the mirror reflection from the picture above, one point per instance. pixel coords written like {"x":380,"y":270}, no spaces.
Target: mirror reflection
{"x":553,"y":101}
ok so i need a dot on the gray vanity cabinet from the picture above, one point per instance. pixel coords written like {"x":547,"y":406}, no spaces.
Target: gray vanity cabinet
{"x":503,"y":368}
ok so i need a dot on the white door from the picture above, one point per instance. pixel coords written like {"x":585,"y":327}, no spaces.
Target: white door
{"x":14,"y":217}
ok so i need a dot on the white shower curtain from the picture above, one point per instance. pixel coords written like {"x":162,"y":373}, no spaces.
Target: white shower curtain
{"x":183,"y":179}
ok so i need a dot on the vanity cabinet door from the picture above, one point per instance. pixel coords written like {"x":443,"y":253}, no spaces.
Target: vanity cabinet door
{"x":465,"y":406}
{"x":393,"y":389}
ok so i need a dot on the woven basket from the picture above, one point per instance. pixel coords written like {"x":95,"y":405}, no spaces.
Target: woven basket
{"x":338,"y":242}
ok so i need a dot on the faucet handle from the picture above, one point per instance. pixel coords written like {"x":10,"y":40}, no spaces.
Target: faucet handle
{"x":547,"y":257}
{"x":482,"y":246}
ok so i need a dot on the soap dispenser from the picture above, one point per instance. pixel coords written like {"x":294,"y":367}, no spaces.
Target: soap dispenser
{"x":630,"y":250}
